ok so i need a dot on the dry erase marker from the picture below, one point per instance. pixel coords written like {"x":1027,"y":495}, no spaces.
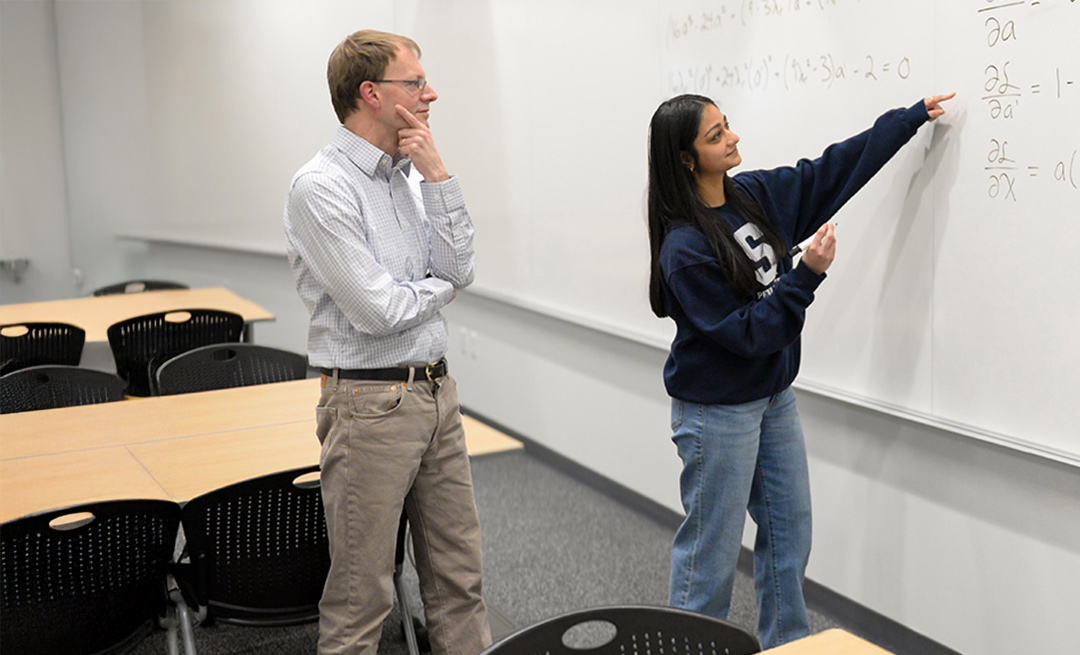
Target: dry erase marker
{"x":802,"y":246}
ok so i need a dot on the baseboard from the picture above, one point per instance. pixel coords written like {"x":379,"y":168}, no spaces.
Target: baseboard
{"x":858,"y":619}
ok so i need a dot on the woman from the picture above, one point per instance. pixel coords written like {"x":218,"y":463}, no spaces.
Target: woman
{"x":721,"y":270}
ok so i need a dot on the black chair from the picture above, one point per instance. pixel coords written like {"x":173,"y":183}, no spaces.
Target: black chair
{"x":259,"y":551}
{"x":137,"y":286}
{"x":627,"y":630}
{"x":46,"y":387}
{"x":94,"y":585}
{"x":33,"y":344}
{"x":221,"y":366}
{"x":149,"y":340}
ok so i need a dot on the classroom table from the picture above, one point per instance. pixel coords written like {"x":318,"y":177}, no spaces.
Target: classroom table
{"x":96,"y":313}
{"x":172,"y":447}
{"x":828,"y":642}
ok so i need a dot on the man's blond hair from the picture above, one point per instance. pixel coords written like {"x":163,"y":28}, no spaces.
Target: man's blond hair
{"x":360,"y":57}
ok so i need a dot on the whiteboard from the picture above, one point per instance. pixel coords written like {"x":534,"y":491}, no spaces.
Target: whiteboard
{"x":953,"y":299}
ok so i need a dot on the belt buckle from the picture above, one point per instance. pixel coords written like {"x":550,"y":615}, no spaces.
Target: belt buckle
{"x":430,"y":371}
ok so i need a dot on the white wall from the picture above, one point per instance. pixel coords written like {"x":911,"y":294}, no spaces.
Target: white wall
{"x":975,"y":546}
{"x":33,"y":199}
{"x":971,"y":544}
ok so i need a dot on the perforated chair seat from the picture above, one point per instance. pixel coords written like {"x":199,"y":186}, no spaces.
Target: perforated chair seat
{"x":95,"y":588}
{"x":222,"y":366}
{"x":48,"y":387}
{"x":140,"y":341}
{"x":259,"y":550}
{"x":23,"y":345}
{"x":629,"y":630}
{"x":137,"y":286}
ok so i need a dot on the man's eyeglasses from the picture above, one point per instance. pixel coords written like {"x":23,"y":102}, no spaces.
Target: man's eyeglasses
{"x":417,"y":85}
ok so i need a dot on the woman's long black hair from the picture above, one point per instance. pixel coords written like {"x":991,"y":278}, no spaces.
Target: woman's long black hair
{"x":674,"y":198}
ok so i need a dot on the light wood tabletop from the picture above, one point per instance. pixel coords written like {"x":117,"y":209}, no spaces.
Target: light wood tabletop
{"x":96,"y":313}
{"x":828,"y":642}
{"x":168,"y":446}
{"x":193,"y":465}
{"x":161,"y":417}
{"x":35,"y":484}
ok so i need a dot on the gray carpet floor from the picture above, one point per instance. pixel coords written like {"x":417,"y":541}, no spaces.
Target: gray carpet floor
{"x":551,"y":545}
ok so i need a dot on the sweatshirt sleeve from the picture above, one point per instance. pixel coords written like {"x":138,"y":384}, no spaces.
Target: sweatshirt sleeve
{"x":755,"y":329}
{"x":800,"y":198}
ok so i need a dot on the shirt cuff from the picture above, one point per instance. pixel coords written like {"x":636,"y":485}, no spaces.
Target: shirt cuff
{"x":443,"y":290}
{"x":443,"y":197}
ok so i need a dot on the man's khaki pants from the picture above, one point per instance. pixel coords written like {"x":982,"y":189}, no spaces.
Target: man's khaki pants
{"x":385,"y":446}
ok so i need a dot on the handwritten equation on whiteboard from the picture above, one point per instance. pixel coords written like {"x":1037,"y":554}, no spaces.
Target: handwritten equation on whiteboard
{"x":1042,"y":92}
{"x":712,"y":24}
{"x":739,"y":12}
{"x":1019,"y":80}
{"x":786,"y":72}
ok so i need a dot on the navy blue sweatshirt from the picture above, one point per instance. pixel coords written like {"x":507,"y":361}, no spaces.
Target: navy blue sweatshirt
{"x":728,"y":350}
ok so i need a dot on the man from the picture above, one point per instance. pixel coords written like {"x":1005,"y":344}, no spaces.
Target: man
{"x":376,"y":254}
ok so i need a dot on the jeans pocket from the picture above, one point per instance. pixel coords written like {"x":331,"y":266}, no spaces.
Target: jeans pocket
{"x":376,"y":401}
{"x":324,"y":419}
{"x":677,"y":408}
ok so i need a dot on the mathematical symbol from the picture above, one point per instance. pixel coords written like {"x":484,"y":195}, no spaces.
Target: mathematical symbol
{"x":1035,"y":88}
{"x":1033,"y":171}
{"x":1067,"y":82}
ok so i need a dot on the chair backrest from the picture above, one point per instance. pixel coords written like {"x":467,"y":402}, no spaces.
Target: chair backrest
{"x":221,"y":366}
{"x":32,"y":344}
{"x":95,"y":587}
{"x":138,"y":286}
{"x":154,"y":338}
{"x":259,"y":549}
{"x":46,"y":387}
{"x":629,"y":630}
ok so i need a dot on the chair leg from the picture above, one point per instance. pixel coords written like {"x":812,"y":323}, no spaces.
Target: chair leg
{"x":408,"y":623}
{"x":406,"y":614}
{"x":186,"y":628}
{"x":170,"y":633}
{"x":177,"y":622}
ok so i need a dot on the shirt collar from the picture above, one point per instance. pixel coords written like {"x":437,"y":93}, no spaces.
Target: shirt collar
{"x":368,"y":158}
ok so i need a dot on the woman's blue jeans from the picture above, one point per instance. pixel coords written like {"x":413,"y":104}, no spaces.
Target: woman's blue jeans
{"x":737,"y":458}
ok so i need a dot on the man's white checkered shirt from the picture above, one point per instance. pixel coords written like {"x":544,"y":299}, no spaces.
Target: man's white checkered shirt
{"x":375,"y":254}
